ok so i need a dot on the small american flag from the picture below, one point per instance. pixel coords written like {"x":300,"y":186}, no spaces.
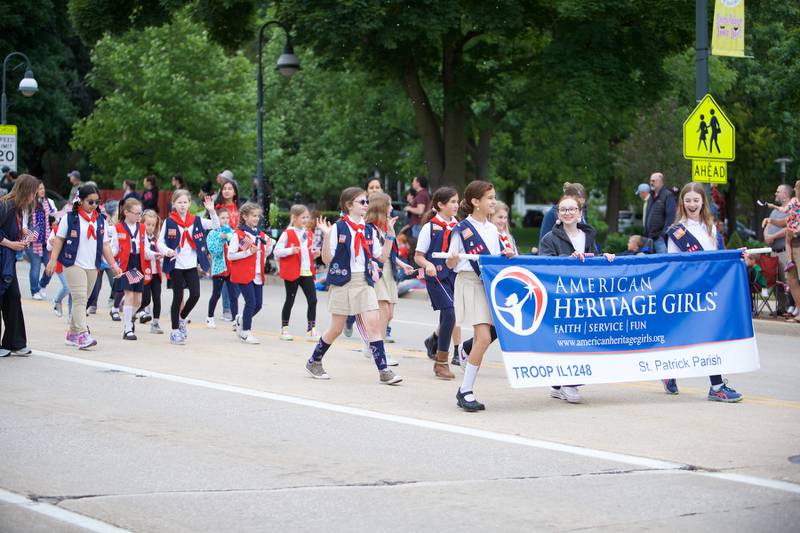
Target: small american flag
{"x":32,"y":236}
{"x":134,"y":276}
{"x":247,"y":242}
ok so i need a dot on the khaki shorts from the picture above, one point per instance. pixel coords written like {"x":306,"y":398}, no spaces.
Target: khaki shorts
{"x":386,"y":288}
{"x":795,"y":251}
{"x":354,"y":298}
{"x":470,"y":301}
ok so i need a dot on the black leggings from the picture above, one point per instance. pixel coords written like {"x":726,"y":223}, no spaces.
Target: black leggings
{"x":180,"y":280}
{"x":152,"y":292}
{"x":309,"y":290}
{"x":220,"y":283}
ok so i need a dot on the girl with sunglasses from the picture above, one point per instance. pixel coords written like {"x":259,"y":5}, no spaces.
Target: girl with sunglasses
{"x":81,"y":242}
{"x":349,"y":249}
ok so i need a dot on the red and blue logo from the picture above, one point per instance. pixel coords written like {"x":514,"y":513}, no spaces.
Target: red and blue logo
{"x":519,"y":300}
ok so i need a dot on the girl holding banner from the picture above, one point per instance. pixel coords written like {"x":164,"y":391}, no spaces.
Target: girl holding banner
{"x":694,"y":231}
{"x":569,"y":237}
{"x":474,"y":235}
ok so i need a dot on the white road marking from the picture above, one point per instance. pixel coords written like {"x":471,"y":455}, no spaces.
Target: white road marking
{"x":632,"y":460}
{"x":59,"y":513}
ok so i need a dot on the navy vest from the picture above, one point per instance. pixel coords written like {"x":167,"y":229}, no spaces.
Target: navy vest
{"x":172,"y":238}
{"x":472,"y":241}
{"x":69,"y":252}
{"x":437,"y":239}
{"x":392,"y":254}
{"x":339,"y":268}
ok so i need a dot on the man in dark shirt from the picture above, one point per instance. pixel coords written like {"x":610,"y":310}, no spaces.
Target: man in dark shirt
{"x":659,"y":212}
{"x":419,"y":205}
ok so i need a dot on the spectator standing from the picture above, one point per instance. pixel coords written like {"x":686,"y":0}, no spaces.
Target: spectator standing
{"x":74,"y":180}
{"x":150,"y":194}
{"x":643,"y":192}
{"x":6,"y":183}
{"x":775,"y":237}
{"x":13,"y":209}
{"x":43,"y":209}
{"x":129,"y":191}
{"x":659,"y":212}
{"x":419,"y":205}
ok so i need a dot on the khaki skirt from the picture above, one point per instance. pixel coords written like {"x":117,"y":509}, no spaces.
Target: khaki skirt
{"x":353,"y":298}
{"x":386,"y":288}
{"x":470,"y":301}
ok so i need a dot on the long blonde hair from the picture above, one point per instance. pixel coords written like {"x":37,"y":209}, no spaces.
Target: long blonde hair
{"x":26,"y":186}
{"x":705,"y":212}
{"x":379,"y":203}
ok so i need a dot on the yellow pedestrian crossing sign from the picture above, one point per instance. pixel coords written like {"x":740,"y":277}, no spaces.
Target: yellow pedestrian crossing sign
{"x":708,"y":133}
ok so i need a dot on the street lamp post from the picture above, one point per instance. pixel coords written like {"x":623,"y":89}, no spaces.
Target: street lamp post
{"x":287,"y":65}
{"x":782,"y":161}
{"x":27,"y":86}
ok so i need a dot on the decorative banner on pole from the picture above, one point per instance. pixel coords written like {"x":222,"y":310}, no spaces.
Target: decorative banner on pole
{"x":563,"y":322}
{"x":727,"y":37}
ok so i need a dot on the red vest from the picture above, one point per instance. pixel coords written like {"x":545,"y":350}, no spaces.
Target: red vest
{"x":125,"y":246}
{"x":243,"y":271}
{"x":290,"y":264}
{"x":148,"y":269}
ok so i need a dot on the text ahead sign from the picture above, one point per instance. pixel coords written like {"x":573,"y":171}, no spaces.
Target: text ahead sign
{"x":708,"y":133}
{"x":8,"y":146}
{"x":561,"y":321}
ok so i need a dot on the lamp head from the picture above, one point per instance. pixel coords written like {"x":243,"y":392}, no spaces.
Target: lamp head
{"x":28,"y":85}
{"x":288,"y":63}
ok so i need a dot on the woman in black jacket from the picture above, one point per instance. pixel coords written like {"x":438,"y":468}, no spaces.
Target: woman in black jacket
{"x":569,"y":237}
{"x":15,"y":208}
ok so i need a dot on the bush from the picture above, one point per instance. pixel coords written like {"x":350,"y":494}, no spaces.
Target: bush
{"x":525,"y":237}
{"x":615,"y":243}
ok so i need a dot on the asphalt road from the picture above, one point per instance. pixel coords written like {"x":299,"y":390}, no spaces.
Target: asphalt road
{"x":219,"y":436}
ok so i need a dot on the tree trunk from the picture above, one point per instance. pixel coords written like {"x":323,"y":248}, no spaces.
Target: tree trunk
{"x":426,"y":122}
{"x":482,"y":154}
{"x":455,"y":114}
{"x":612,"y":204}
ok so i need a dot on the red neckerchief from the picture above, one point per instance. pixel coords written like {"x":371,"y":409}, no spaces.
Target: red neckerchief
{"x":361,"y":240}
{"x":90,"y":231}
{"x":186,"y":224}
{"x":448,"y":228}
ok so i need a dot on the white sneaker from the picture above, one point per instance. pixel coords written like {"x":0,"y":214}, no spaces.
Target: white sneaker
{"x":210,"y":323}
{"x":570,"y":394}
{"x":248,"y":338}
{"x":237,"y":322}
{"x":462,"y":357}
{"x":791,"y":310}
{"x":285,"y":335}
{"x":391,"y":362}
{"x":38,"y":296}
{"x":367,"y":351}
{"x":312,"y":335}
{"x":43,"y":292}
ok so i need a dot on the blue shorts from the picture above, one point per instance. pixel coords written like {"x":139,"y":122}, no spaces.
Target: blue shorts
{"x":441,"y":292}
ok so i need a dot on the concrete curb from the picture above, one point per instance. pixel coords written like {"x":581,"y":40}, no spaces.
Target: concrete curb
{"x":776,"y":327}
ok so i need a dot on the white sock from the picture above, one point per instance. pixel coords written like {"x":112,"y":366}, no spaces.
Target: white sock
{"x":470,"y":373}
{"x":717,"y":387}
{"x":127,"y":311}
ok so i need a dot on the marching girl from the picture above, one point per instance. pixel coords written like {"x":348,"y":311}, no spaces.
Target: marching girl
{"x":134,"y":257}
{"x":182,"y":241}
{"x":500,"y":219}
{"x":152,"y":273}
{"x":438,"y":227}
{"x":569,"y":237}
{"x":474,"y":235}
{"x":80,"y":243}
{"x":349,"y":249}
{"x":248,"y":251}
{"x":218,"y":240}
{"x":296,"y":257}
{"x":694,"y":231}
{"x":378,"y":218}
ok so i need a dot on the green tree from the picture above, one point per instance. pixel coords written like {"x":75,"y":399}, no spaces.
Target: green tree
{"x":173,"y":103}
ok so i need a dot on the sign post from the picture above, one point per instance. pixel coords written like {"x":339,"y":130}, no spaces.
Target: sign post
{"x":8,"y":146}
{"x":709,"y":140}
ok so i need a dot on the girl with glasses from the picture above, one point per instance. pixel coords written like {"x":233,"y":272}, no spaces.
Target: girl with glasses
{"x":569,"y":237}
{"x":81,"y":242}
{"x":349,"y":249}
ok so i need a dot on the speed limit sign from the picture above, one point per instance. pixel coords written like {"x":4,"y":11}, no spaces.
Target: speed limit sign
{"x":8,"y":146}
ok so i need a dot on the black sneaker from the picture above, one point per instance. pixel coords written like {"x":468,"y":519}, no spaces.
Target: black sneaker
{"x":129,"y":336}
{"x":469,"y":406}
{"x":145,"y":318}
{"x":456,"y":359}
{"x":431,"y":343}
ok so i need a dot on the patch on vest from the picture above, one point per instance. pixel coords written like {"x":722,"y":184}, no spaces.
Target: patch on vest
{"x":172,"y":233}
{"x":679,"y":233}
{"x":73,"y":234}
{"x":466,"y":233}
{"x":342,"y":239}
